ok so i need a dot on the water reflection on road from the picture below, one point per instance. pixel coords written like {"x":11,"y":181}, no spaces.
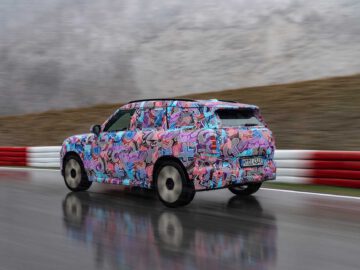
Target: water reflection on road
{"x":140,"y":234}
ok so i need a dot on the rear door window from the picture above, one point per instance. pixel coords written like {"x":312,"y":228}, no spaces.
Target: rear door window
{"x":238,"y":117}
{"x":145,"y":119}
{"x":182,"y":117}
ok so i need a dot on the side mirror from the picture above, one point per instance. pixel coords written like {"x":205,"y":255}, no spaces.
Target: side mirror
{"x":96,"y":129}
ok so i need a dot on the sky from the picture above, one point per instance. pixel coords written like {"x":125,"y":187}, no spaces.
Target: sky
{"x":71,"y":53}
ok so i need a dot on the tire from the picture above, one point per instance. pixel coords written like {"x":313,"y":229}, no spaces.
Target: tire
{"x":74,"y":174}
{"x":172,"y":185}
{"x":245,"y":190}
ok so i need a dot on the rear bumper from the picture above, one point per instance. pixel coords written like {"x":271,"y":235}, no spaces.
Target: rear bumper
{"x":212,"y":174}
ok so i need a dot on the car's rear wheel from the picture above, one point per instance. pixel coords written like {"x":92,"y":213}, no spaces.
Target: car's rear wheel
{"x":172,"y":185}
{"x":245,"y":190}
{"x":74,"y":174}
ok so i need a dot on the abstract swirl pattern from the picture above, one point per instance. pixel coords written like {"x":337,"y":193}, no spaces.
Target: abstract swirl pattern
{"x":189,"y":131}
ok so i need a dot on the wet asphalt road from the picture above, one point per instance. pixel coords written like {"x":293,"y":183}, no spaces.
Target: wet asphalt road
{"x":44,"y":226}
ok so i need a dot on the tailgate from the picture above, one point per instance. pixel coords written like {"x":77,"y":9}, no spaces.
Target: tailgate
{"x":246,"y":142}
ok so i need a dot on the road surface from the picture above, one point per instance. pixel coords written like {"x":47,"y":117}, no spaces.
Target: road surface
{"x":44,"y":226}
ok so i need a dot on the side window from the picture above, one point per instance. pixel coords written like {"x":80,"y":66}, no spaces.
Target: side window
{"x":182,"y":117}
{"x":120,"y":121}
{"x":149,"y":119}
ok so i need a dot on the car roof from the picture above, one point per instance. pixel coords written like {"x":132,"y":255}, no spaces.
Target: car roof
{"x":185,"y":103}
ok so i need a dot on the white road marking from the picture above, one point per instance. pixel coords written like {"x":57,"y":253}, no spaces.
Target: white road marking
{"x":312,"y":193}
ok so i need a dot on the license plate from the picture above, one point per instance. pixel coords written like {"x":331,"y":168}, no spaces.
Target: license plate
{"x":251,"y":162}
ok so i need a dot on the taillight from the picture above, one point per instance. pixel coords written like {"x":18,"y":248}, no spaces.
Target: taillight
{"x":208,"y":143}
{"x":213,"y":144}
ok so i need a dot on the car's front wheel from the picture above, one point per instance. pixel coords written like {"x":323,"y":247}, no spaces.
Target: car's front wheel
{"x":74,"y":174}
{"x":245,"y":190}
{"x":172,"y":185}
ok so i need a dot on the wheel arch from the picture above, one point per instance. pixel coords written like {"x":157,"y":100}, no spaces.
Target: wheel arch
{"x":163,"y":159}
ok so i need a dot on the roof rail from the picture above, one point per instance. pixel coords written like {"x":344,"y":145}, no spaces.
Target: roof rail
{"x":161,"y":99}
{"x":230,"y":101}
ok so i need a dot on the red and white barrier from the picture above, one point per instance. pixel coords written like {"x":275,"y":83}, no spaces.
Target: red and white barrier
{"x":335,"y":168}
{"x":43,"y":156}
{"x":13,"y":156}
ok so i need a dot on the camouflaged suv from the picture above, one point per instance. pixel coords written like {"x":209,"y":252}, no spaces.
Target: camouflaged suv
{"x":176,"y":146}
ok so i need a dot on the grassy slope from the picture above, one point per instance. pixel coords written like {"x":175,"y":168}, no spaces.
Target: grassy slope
{"x":319,"y":114}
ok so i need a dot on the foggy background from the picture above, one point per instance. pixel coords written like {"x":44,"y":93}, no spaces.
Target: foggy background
{"x":69,"y":53}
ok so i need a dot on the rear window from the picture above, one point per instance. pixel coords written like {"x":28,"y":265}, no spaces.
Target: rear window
{"x":238,"y":117}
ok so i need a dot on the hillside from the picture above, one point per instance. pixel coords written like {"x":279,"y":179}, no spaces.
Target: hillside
{"x":318,"y":114}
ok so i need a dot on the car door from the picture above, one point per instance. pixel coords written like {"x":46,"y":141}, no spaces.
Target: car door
{"x":115,"y":145}
{"x":149,"y":124}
